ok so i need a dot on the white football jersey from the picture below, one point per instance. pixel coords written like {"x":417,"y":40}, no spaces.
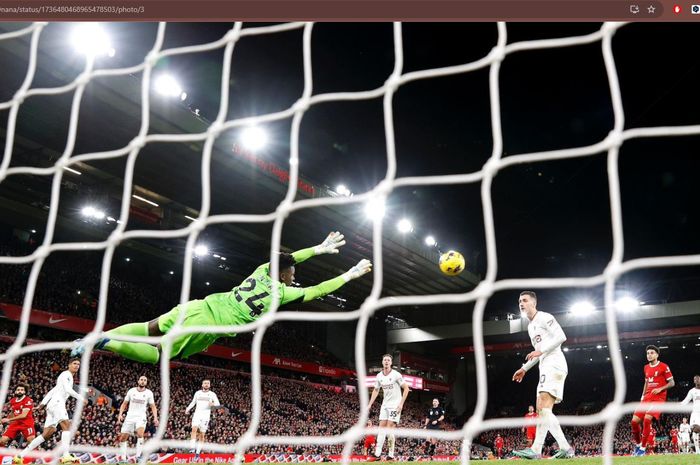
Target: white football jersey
{"x":138,"y":402}
{"x":544,"y":331}
{"x":684,"y":429}
{"x":203,"y":400}
{"x":694,"y":397}
{"x":391,"y":388}
{"x":60,"y":393}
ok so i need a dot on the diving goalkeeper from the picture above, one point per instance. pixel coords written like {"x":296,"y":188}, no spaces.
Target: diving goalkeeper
{"x":244,"y":304}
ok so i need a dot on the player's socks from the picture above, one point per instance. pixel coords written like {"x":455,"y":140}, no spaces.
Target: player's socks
{"x":380,"y":444}
{"x":65,"y":441}
{"x":392,"y":445}
{"x":696,"y":441}
{"x":36,"y":442}
{"x":645,"y":433}
{"x":198,"y":449}
{"x":555,"y":429}
{"x":636,"y":433}
{"x":193,"y":444}
{"x":122,"y":447}
{"x":541,"y":434}
{"x":139,"y":446}
{"x":137,"y":351}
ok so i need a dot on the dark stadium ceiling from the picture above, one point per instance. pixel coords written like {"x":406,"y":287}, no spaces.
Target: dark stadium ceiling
{"x":169,"y":174}
{"x":552,"y":219}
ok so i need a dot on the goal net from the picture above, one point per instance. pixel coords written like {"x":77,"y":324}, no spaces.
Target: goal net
{"x":492,"y":61}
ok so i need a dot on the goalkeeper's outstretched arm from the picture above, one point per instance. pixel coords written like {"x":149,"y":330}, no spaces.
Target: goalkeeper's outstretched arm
{"x":329,"y":245}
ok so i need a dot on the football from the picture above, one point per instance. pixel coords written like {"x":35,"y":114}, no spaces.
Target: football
{"x":452,"y":263}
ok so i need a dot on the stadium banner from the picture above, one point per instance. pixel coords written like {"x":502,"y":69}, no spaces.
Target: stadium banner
{"x":84,"y":325}
{"x":228,"y":458}
{"x":437,"y":386}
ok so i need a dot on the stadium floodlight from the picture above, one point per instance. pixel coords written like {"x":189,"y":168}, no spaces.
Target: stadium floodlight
{"x":201,"y":250}
{"x":404,"y":225}
{"x":33,"y":231}
{"x":430,"y":241}
{"x":92,"y":40}
{"x":342,"y":190}
{"x":583,"y":308}
{"x":183,"y":96}
{"x":253,"y":138}
{"x":127,"y":259}
{"x":171,"y":272}
{"x":375,"y":209}
{"x":626,"y":304}
{"x":88,"y":211}
{"x":166,"y":84}
{"x":68,"y":168}
{"x":207,"y":283}
{"x":143,"y":199}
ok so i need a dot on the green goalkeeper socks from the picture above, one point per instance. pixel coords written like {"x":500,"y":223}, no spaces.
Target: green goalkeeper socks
{"x":138,"y":351}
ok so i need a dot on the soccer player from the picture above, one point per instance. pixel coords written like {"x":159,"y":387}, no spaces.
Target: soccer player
{"x":433,"y":419}
{"x":244,"y":304}
{"x":205,"y":400}
{"x":651,"y":441}
{"x":138,"y":399}
{"x":498,"y":446}
{"x":370,"y":440}
{"x":390,"y":381}
{"x":547,"y":337}
{"x":22,"y":419}
{"x":657,"y":381}
{"x":530,"y":430}
{"x":684,"y":436}
{"x":694,"y":396}
{"x":56,"y":414}
{"x":674,"y":440}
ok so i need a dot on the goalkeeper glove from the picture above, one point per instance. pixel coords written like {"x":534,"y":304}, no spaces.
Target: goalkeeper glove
{"x":364,"y":266}
{"x":330,"y":244}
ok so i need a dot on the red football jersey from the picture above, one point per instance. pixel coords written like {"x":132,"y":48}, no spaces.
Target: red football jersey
{"x":656,"y":376}
{"x":18,"y":406}
{"x":498,"y":443}
{"x":674,"y":433}
{"x":531,"y":415}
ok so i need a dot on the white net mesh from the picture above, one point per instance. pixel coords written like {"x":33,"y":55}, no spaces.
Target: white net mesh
{"x":476,"y":424}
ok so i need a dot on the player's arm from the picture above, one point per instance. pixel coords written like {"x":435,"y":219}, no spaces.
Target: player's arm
{"x":154,"y":410}
{"x":68,"y":387}
{"x":406,"y":390}
{"x":306,"y":294}
{"x":330,"y":244}
{"x":669,"y":384}
{"x":442,"y":417}
{"x":47,"y":397}
{"x":373,"y":397}
{"x":644,"y":389}
{"x":122,"y":407}
{"x":557,"y":338}
{"x":192,"y":404}
{"x":688,"y":398}
{"x":21,"y":416}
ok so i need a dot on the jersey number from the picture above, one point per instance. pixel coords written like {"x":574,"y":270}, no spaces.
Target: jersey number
{"x":247,"y":286}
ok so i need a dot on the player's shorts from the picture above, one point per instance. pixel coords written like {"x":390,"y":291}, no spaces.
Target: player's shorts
{"x":370,"y":441}
{"x":432,"y":426}
{"x":131,"y":425}
{"x":55,"y":414}
{"x":390,"y":414}
{"x":684,"y":437}
{"x":201,"y":422}
{"x":16,"y":428}
{"x":649,"y":411}
{"x":694,"y":419}
{"x":674,"y":440}
{"x":530,"y":433}
{"x":552,"y":381}
{"x":197,"y":313}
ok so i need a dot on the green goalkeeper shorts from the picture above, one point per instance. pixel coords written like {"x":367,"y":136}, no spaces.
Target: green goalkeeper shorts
{"x":197,"y":313}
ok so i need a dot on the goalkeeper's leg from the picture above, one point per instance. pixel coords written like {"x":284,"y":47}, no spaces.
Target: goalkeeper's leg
{"x":138,"y":351}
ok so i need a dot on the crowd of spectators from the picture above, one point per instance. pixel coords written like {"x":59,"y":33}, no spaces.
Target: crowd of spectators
{"x":289,"y":407}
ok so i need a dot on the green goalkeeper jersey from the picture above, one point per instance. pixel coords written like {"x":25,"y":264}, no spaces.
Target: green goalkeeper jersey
{"x":253,"y":297}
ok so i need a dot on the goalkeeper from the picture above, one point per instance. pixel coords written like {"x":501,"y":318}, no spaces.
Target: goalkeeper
{"x":244,"y":304}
